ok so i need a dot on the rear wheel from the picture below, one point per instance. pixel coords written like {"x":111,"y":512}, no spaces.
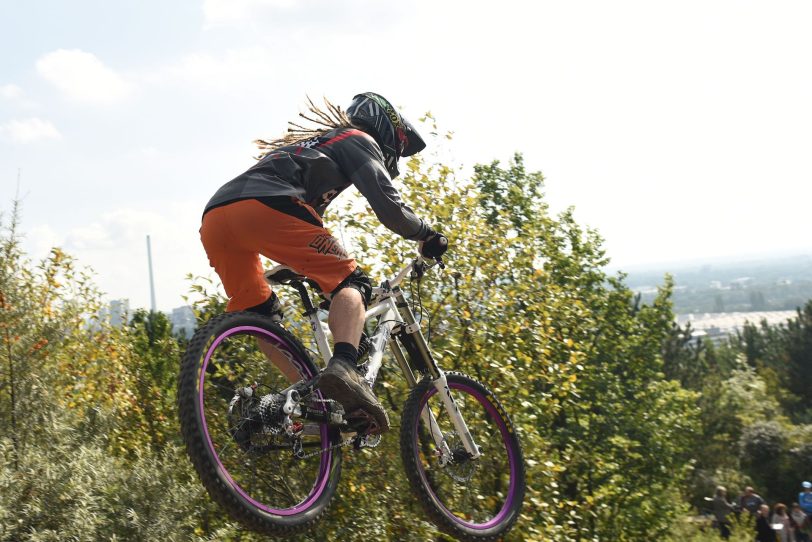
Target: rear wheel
{"x":472,"y":499}
{"x":272,"y":476}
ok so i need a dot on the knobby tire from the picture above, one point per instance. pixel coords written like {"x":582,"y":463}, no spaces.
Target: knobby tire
{"x":235,"y":499}
{"x":502,"y":453}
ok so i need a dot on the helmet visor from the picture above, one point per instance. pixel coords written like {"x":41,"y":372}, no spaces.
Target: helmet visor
{"x":413,"y":142}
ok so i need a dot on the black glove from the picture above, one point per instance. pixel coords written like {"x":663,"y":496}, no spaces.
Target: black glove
{"x":434,"y":245}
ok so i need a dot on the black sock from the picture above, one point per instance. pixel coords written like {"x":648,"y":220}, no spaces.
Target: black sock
{"x":346,"y":351}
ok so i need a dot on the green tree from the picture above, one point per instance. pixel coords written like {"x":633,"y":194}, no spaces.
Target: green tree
{"x":525,"y":306}
{"x":684,"y":358}
{"x":798,"y":371}
{"x":529,"y":310}
{"x":75,"y":460}
{"x":761,"y":447}
{"x":155,"y":358}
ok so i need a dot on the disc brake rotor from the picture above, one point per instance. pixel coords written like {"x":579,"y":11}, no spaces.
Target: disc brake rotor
{"x":461,"y":468}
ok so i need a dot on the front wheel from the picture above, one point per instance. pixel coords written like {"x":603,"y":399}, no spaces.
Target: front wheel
{"x":472,"y":499}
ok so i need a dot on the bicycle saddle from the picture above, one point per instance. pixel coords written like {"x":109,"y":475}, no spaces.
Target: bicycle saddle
{"x":282,"y":274}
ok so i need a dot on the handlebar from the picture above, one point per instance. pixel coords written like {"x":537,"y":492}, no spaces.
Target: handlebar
{"x":416,"y":269}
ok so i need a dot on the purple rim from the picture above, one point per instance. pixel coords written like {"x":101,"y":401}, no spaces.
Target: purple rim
{"x":326,"y":458}
{"x":503,"y":512}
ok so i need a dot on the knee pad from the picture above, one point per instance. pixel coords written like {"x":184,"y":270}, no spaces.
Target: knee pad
{"x":357,"y":280}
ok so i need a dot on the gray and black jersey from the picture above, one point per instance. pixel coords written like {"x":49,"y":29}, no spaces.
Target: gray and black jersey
{"x":317,"y":170}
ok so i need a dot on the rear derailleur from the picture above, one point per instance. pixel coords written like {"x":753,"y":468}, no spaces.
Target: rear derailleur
{"x":286,"y":414}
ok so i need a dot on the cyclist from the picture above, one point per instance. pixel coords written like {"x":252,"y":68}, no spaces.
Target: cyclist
{"x":274,"y":209}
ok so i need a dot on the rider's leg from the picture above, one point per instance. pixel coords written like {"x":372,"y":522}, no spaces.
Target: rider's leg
{"x":346,"y":321}
{"x":240,"y":270}
{"x":341,"y":381}
{"x":272,"y":308}
{"x":280,"y":360}
{"x":294,"y":235}
{"x":346,"y":317}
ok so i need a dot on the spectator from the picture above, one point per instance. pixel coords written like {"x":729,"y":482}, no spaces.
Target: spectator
{"x":764,"y":532}
{"x":780,"y":517}
{"x":721,"y":509}
{"x":800,"y":523}
{"x":751,"y":501}
{"x":805,"y":498}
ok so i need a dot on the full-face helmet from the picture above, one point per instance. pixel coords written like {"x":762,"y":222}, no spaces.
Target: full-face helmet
{"x":396,"y":136}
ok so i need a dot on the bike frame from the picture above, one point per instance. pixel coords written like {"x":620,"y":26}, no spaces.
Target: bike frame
{"x":396,"y":325}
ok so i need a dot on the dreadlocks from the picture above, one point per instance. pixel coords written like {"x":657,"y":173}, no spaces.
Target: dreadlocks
{"x":324,"y":119}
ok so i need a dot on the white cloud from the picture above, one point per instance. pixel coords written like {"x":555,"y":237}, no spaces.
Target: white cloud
{"x":10,"y":91}
{"x":114,"y":246}
{"x":41,"y":239}
{"x":82,"y":77}
{"x":232,"y":70}
{"x":327,"y":17}
{"x":230,"y":11}
{"x":29,"y":130}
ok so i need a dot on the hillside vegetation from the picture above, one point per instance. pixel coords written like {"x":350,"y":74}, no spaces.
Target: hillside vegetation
{"x":625,"y":423}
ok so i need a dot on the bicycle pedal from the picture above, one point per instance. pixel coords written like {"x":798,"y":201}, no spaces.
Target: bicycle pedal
{"x":362,"y":423}
{"x":366,"y":441}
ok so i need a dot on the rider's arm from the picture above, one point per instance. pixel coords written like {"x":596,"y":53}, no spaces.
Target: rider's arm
{"x":359,"y":156}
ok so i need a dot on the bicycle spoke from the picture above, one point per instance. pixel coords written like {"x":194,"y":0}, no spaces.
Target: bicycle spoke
{"x":284,"y":481}
{"x":231,"y":390}
{"x":470,"y":490}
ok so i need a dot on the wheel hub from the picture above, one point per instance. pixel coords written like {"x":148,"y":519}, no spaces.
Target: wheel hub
{"x":461,"y":468}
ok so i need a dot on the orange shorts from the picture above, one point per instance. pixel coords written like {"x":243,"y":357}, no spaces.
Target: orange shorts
{"x":235,"y":235}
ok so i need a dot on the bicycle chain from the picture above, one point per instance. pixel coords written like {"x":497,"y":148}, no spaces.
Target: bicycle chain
{"x":346,"y":442}
{"x":328,"y":449}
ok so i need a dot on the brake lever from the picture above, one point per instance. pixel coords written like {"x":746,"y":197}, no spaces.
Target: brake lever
{"x":418,"y":269}
{"x":420,"y":266}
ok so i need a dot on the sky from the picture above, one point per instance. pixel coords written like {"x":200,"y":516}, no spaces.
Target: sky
{"x":681,"y":131}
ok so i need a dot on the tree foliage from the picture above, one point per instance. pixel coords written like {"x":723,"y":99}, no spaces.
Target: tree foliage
{"x":526,"y":306}
{"x":754,"y":409}
{"x":76,"y":454}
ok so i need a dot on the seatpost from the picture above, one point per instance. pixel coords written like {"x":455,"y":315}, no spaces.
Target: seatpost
{"x":305,"y":297}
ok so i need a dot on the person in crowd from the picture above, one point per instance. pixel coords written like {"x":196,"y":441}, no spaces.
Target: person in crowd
{"x":781,"y":517}
{"x":750,"y":501}
{"x":764,"y":531}
{"x":805,"y":498}
{"x":721,"y":509}
{"x":800,"y":523}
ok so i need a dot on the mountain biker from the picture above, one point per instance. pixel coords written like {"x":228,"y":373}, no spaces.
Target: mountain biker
{"x":274,"y":209}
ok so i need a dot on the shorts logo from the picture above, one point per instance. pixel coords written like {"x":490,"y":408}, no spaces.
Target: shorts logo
{"x":327,"y":244}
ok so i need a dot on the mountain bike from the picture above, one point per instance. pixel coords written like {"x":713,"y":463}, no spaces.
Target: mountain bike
{"x":267,"y":445}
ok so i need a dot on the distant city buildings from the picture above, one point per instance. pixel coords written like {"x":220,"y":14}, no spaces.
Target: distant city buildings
{"x":717,"y":326}
{"x":741,"y":283}
{"x":183,"y":321}
{"x":117,"y":313}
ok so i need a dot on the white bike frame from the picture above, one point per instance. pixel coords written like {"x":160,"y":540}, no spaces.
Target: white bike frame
{"x":394,"y":318}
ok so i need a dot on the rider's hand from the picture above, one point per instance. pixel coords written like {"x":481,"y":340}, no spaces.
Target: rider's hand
{"x":433,"y":246}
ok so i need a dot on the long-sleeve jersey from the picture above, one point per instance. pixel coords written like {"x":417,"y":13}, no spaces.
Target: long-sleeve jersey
{"x":315,"y":171}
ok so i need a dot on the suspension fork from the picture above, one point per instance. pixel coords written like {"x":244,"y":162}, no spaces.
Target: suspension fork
{"x":412,"y":337}
{"x":426,"y":414}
